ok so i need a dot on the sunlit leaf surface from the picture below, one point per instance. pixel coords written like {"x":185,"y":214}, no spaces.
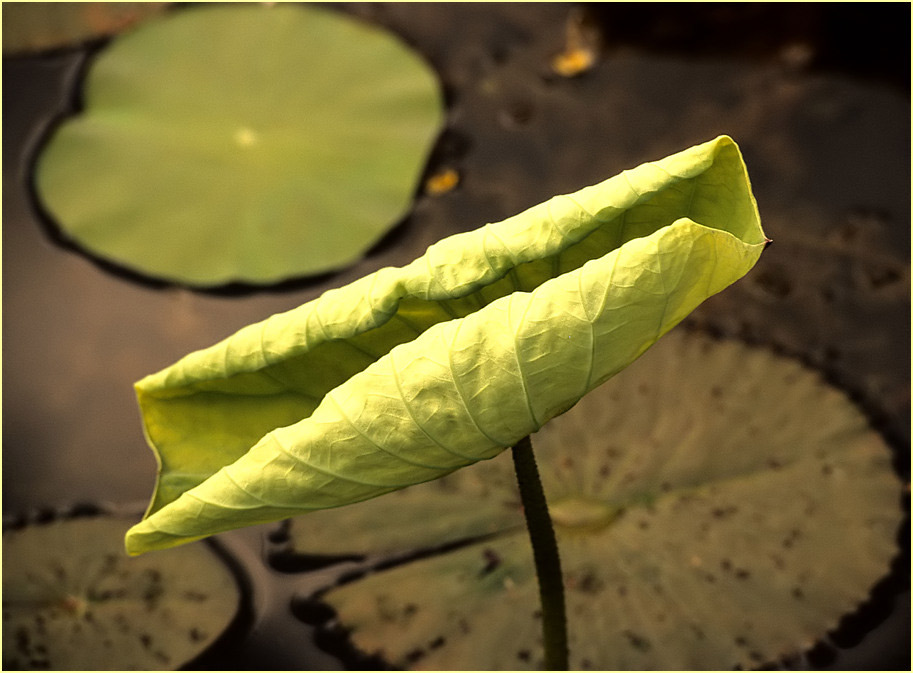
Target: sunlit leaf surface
{"x":242,"y":143}
{"x":715,"y":505}
{"x":412,"y":372}
{"x":72,"y":600}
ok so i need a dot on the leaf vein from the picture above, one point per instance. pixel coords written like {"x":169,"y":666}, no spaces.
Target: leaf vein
{"x":374,"y":443}
{"x":408,"y":409}
{"x":515,"y":333}
{"x":459,"y":389}
{"x":322,"y":470}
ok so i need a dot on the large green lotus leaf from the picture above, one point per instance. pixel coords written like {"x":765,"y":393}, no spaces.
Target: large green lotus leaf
{"x":35,"y":26}
{"x":410,"y":373}
{"x":72,"y":600}
{"x":242,"y":143}
{"x":715,"y":505}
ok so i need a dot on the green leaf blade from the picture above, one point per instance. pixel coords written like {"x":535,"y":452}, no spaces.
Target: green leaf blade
{"x":462,"y":390}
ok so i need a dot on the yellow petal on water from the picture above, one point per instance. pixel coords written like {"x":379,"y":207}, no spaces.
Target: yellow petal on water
{"x":442,"y":182}
{"x":573,"y":62}
{"x":581,"y":47}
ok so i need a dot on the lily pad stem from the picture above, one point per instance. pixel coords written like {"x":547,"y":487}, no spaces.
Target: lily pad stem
{"x":545,"y":554}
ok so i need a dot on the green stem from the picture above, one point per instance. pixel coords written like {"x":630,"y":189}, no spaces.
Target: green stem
{"x":545,"y":554}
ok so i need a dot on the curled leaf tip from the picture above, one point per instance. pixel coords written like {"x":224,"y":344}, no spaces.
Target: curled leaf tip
{"x":413,"y":372}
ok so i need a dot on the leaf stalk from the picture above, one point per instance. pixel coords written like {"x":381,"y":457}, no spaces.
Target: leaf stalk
{"x":545,"y":555}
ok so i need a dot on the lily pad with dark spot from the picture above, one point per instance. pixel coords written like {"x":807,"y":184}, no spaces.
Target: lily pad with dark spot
{"x":73,"y":600}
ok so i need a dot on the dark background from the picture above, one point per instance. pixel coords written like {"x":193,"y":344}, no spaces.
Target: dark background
{"x":817,"y":96}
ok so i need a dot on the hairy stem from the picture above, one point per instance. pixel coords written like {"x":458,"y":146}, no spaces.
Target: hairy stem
{"x":545,"y":554}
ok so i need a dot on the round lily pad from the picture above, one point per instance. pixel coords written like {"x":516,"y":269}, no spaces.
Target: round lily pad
{"x":715,"y":506}
{"x":72,"y":599}
{"x":244,"y":143}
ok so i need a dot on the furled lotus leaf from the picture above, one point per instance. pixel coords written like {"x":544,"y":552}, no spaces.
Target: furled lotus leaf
{"x":242,"y":143}
{"x":413,"y":372}
{"x":35,"y":26}
{"x":715,"y":505}
{"x":72,"y":600}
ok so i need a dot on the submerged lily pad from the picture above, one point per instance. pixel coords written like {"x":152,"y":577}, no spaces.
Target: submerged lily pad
{"x":715,"y":506}
{"x":242,"y":143}
{"x":72,"y":599}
